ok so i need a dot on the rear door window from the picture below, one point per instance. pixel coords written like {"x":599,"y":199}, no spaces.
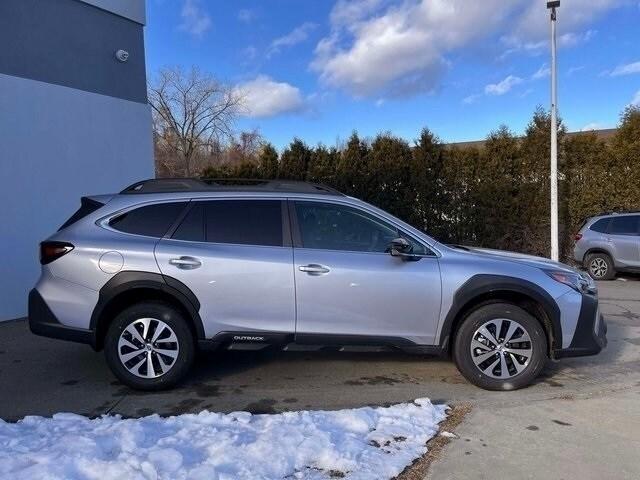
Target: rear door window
{"x":149,"y":220}
{"x":244,"y":222}
{"x":240,"y":222}
{"x":624,"y":225}
{"x":192,"y":227}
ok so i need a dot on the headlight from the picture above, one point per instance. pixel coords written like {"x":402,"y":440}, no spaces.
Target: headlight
{"x":580,"y":282}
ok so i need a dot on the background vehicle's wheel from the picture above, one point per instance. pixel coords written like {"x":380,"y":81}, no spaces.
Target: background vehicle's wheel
{"x":149,"y":346}
{"x":500,"y":346}
{"x":600,"y":266}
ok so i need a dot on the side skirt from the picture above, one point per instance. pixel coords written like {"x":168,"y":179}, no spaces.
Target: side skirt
{"x":315,"y":342}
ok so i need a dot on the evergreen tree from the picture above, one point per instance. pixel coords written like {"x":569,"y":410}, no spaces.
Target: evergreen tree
{"x":295,"y":161}
{"x":428,"y":182}
{"x":624,"y":171}
{"x":268,"y":161}
{"x":323,"y":164}
{"x":352,"y":167}
{"x":389,"y":180}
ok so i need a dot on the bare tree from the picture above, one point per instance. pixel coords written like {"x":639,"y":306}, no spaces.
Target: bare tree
{"x":245,"y":148}
{"x":192,"y":112}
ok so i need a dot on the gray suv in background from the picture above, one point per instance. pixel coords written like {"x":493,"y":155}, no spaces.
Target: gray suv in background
{"x":609,"y":243}
{"x":170,"y":266}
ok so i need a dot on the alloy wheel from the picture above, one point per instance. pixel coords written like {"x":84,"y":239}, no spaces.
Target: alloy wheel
{"x":501,"y":348}
{"x":148,"y":348}
{"x":598,"y":267}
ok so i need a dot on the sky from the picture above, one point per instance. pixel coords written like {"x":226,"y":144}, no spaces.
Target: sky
{"x":320,"y":69}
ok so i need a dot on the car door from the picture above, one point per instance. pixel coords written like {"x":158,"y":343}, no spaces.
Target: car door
{"x":236,"y":257}
{"x":346,"y":283}
{"x":623,"y":238}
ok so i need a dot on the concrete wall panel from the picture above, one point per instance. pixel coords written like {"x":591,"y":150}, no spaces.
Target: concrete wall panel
{"x":56,"y":145}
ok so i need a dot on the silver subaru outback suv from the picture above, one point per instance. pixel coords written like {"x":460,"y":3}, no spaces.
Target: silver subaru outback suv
{"x":170,"y":266}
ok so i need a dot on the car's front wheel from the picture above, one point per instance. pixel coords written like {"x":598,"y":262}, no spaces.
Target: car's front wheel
{"x":149,"y":346}
{"x":500,"y":346}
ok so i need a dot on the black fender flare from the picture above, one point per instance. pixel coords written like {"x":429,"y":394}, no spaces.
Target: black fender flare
{"x":128,"y":281}
{"x":485,"y":285}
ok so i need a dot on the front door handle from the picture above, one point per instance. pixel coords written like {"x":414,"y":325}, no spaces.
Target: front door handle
{"x":314,"y":269}
{"x":185,"y":263}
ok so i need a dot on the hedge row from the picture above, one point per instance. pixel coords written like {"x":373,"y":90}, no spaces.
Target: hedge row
{"x":494,"y":196}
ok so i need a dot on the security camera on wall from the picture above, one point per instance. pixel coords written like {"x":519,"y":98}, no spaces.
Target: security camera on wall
{"x":122,"y":55}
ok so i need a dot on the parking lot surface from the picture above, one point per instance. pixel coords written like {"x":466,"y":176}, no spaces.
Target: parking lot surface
{"x":40,"y":376}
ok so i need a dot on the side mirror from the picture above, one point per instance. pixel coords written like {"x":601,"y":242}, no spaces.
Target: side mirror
{"x":400,"y":247}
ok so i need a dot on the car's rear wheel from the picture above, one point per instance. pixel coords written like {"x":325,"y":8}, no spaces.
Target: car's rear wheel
{"x":500,"y":346}
{"x":149,"y":346}
{"x":600,"y":266}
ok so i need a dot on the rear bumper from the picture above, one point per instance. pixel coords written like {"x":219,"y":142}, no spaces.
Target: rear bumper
{"x":590,"y":336}
{"x":578,"y":253}
{"x":43,"y":322}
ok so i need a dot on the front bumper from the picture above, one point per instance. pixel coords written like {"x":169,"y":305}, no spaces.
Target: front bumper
{"x":590,"y":336}
{"x":43,"y":322}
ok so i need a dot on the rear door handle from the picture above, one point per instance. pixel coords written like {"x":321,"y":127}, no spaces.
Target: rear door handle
{"x":185,"y":263}
{"x":314,"y":269}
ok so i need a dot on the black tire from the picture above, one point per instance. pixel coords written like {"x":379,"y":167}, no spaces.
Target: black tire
{"x":479,"y":317}
{"x":596,"y":262}
{"x":185,"y":346}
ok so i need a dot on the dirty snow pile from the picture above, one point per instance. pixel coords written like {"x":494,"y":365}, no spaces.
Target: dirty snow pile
{"x":362,"y":443}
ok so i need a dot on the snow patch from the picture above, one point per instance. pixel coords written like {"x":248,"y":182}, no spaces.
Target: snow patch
{"x":362,"y":443}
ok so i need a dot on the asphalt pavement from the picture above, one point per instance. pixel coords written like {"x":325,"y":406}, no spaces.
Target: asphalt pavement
{"x":40,"y":376}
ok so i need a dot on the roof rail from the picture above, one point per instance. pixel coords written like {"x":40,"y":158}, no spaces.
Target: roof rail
{"x":617,"y":212}
{"x":167,"y":185}
{"x":159,"y":185}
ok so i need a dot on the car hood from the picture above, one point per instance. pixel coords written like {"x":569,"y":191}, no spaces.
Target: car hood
{"x":521,"y":258}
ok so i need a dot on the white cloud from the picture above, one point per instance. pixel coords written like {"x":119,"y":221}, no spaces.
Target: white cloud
{"x":572,"y":39}
{"x":635,"y":101}
{"x":628,"y":69}
{"x":526,"y":93}
{"x":502,"y":87}
{"x":542,"y":72}
{"x":246,"y":15}
{"x":531,"y":25}
{"x":296,"y":36}
{"x":347,"y":12}
{"x":495,"y":89}
{"x":264,"y":97}
{"x":195,"y":20}
{"x":471,"y":99}
{"x":399,"y":49}
{"x":573,"y":70}
{"x":393,"y":48}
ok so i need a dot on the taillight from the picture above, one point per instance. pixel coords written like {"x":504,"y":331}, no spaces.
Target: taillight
{"x":50,"y":251}
{"x":577,"y":237}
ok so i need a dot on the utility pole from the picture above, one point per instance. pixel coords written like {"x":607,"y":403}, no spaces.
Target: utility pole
{"x":555,"y":251}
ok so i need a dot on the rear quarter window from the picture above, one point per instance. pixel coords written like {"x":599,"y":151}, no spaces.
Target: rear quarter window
{"x":149,"y":220}
{"x":601,"y":225}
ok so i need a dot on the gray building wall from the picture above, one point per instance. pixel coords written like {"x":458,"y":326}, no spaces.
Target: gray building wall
{"x":74,"y":121}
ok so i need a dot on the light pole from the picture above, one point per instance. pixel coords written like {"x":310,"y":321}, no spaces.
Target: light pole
{"x":554,"y":136}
